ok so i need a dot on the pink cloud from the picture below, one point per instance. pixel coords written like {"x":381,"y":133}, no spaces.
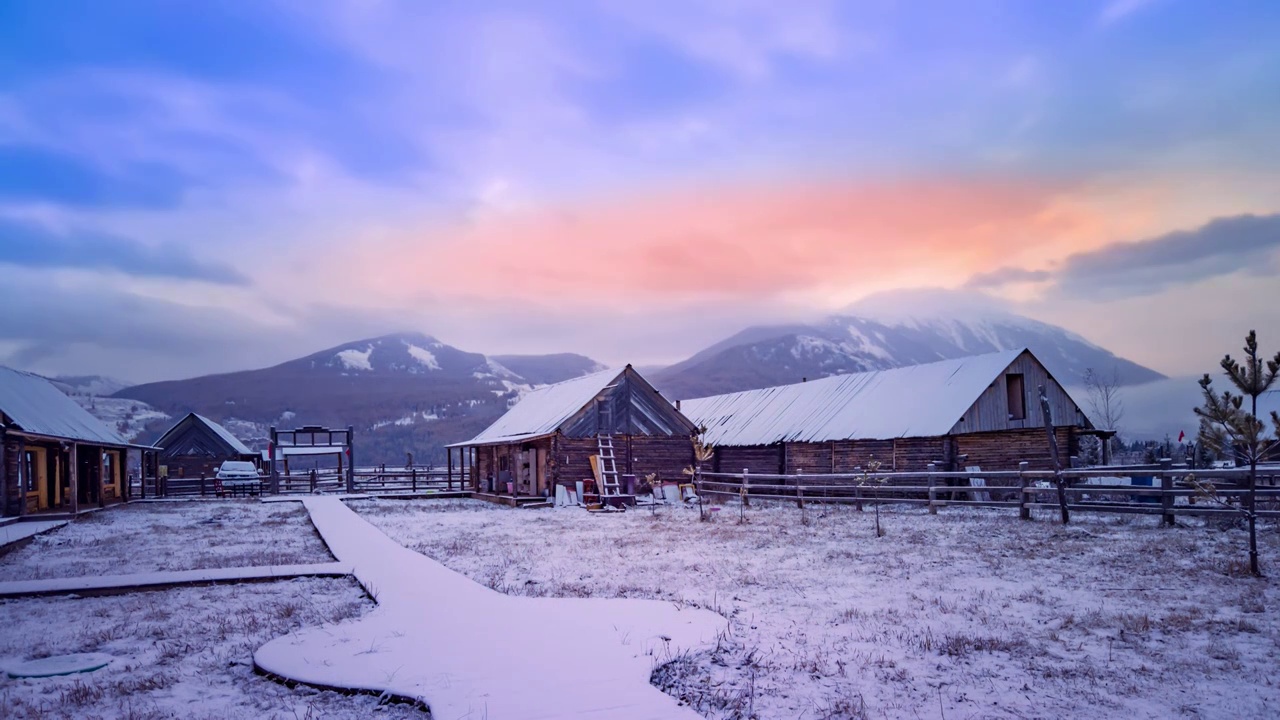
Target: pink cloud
{"x":738,"y":242}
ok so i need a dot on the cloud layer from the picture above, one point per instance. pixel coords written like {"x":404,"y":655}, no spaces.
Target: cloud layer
{"x":1223,"y":246}
{"x":206,"y":171}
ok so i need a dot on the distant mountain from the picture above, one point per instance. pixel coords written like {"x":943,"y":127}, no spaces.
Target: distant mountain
{"x":95,"y":385}
{"x":548,"y":369}
{"x":132,"y":419}
{"x":886,"y":332}
{"x":402,"y":393}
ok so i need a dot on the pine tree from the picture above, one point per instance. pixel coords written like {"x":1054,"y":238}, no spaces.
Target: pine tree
{"x":1228,"y":428}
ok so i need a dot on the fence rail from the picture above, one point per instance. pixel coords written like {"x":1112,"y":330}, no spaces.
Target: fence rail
{"x":407,"y":480}
{"x":1169,"y":491}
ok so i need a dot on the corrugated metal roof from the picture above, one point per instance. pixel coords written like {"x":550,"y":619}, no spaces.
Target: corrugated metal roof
{"x":36,"y":406}
{"x":542,"y":410}
{"x":225,"y":434}
{"x":914,"y":401}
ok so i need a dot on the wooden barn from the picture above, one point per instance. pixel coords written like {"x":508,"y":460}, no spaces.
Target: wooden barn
{"x":976,"y":411}
{"x":56,"y":457}
{"x":550,"y":436}
{"x":196,"y":446}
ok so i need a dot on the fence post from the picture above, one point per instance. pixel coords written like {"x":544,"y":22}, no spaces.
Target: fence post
{"x":413,"y":476}
{"x":746,"y":484}
{"x":1024,"y":510}
{"x":312,"y":477}
{"x":201,"y":484}
{"x":697,"y":492}
{"x":800,"y":488}
{"x":1166,"y":491}
{"x":933,"y":490}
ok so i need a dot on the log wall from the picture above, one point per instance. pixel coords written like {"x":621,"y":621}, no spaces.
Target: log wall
{"x":1002,"y":450}
{"x":12,"y":495}
{"x":755,"y":458}
{"x":666,"y":456}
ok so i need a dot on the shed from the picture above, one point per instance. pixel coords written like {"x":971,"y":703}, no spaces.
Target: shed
{"x":54,"y":455}
{"x":981,"y":410}
{"x":550,"y":435}
{"x":196,"y":446}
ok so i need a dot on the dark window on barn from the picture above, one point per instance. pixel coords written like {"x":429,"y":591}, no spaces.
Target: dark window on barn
{"x":1017,"y":396}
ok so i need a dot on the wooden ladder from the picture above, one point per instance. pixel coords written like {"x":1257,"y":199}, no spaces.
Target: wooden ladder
{"x":609,"y":484}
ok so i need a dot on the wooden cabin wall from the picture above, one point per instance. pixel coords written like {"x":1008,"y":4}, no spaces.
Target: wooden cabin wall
{"x":846,"y":456}
{"x":852,"y":455}
{"x":809,"y":457}
{"x":637,"y":455}
{"x":573,"y":457}
{"x":991,"y":451}
{"x":193,"y":466}
{"x":12,"y":494}
{"x":667,"y":456}
{"x":755,"y":458}
{"x":990,"y":412}
{"x":1004,"y":450}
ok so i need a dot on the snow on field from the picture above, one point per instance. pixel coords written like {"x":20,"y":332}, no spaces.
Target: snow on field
{"x":471,"y":652}
{"x":144,"y":537}
{"x":180,"y":653}
{"x":969,"y":613}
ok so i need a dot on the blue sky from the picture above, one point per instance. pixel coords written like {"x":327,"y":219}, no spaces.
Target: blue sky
{"x":264,"y":179}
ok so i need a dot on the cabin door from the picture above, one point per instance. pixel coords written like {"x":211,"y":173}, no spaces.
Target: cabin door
{"x":49,"y":487}
{"x":88,"y":471}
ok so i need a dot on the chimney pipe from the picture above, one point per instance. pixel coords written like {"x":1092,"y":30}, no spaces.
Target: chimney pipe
{"x":804,"y":379}
{"x":677,"y":405}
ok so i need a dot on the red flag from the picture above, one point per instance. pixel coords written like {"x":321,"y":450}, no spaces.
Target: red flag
{"x":1181,"y":435}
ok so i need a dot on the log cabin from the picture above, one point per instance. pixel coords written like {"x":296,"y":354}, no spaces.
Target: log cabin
{"x":196,"y":446}
{"x":56,"y":457}
{"x":549,"y":437}
{"x":980,"y":411}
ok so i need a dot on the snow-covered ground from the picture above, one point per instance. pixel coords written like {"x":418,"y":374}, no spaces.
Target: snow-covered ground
{"x":970,"y":613}
{"x":150,"y":536}
{"x":179,"y":653}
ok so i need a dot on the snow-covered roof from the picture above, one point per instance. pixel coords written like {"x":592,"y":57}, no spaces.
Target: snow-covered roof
{"x":913,"y":401}
{"x":543,"y":410}
{"x":36,"y":406}
{"x":225,"y":434}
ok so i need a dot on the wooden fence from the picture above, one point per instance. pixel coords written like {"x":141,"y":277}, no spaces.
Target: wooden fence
{"x":407,"y":481}
{"x":412,"y":480}
{"x":1163,"y":489}
{"x":188,"y":487}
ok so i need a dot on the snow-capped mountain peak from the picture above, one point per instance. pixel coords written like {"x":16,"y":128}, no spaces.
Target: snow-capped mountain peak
{"x":896,"y":329}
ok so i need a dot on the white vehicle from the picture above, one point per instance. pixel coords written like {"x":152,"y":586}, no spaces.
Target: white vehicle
{"x":238,"y":471}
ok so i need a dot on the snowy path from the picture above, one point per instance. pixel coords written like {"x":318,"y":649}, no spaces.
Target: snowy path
{"x":471,"y":652}
{"x":53,"y":586}
{"x":13,"y":532}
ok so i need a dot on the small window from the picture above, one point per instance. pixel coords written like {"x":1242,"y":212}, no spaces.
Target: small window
{"x":1017,"y":396}
{"x":27,"y":481}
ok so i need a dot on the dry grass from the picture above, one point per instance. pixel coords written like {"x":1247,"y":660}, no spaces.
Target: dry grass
{"x":194,"y":535}
{"x":969,"y":613}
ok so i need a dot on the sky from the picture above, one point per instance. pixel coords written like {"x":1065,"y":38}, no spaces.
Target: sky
{"x":201,"y":187}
